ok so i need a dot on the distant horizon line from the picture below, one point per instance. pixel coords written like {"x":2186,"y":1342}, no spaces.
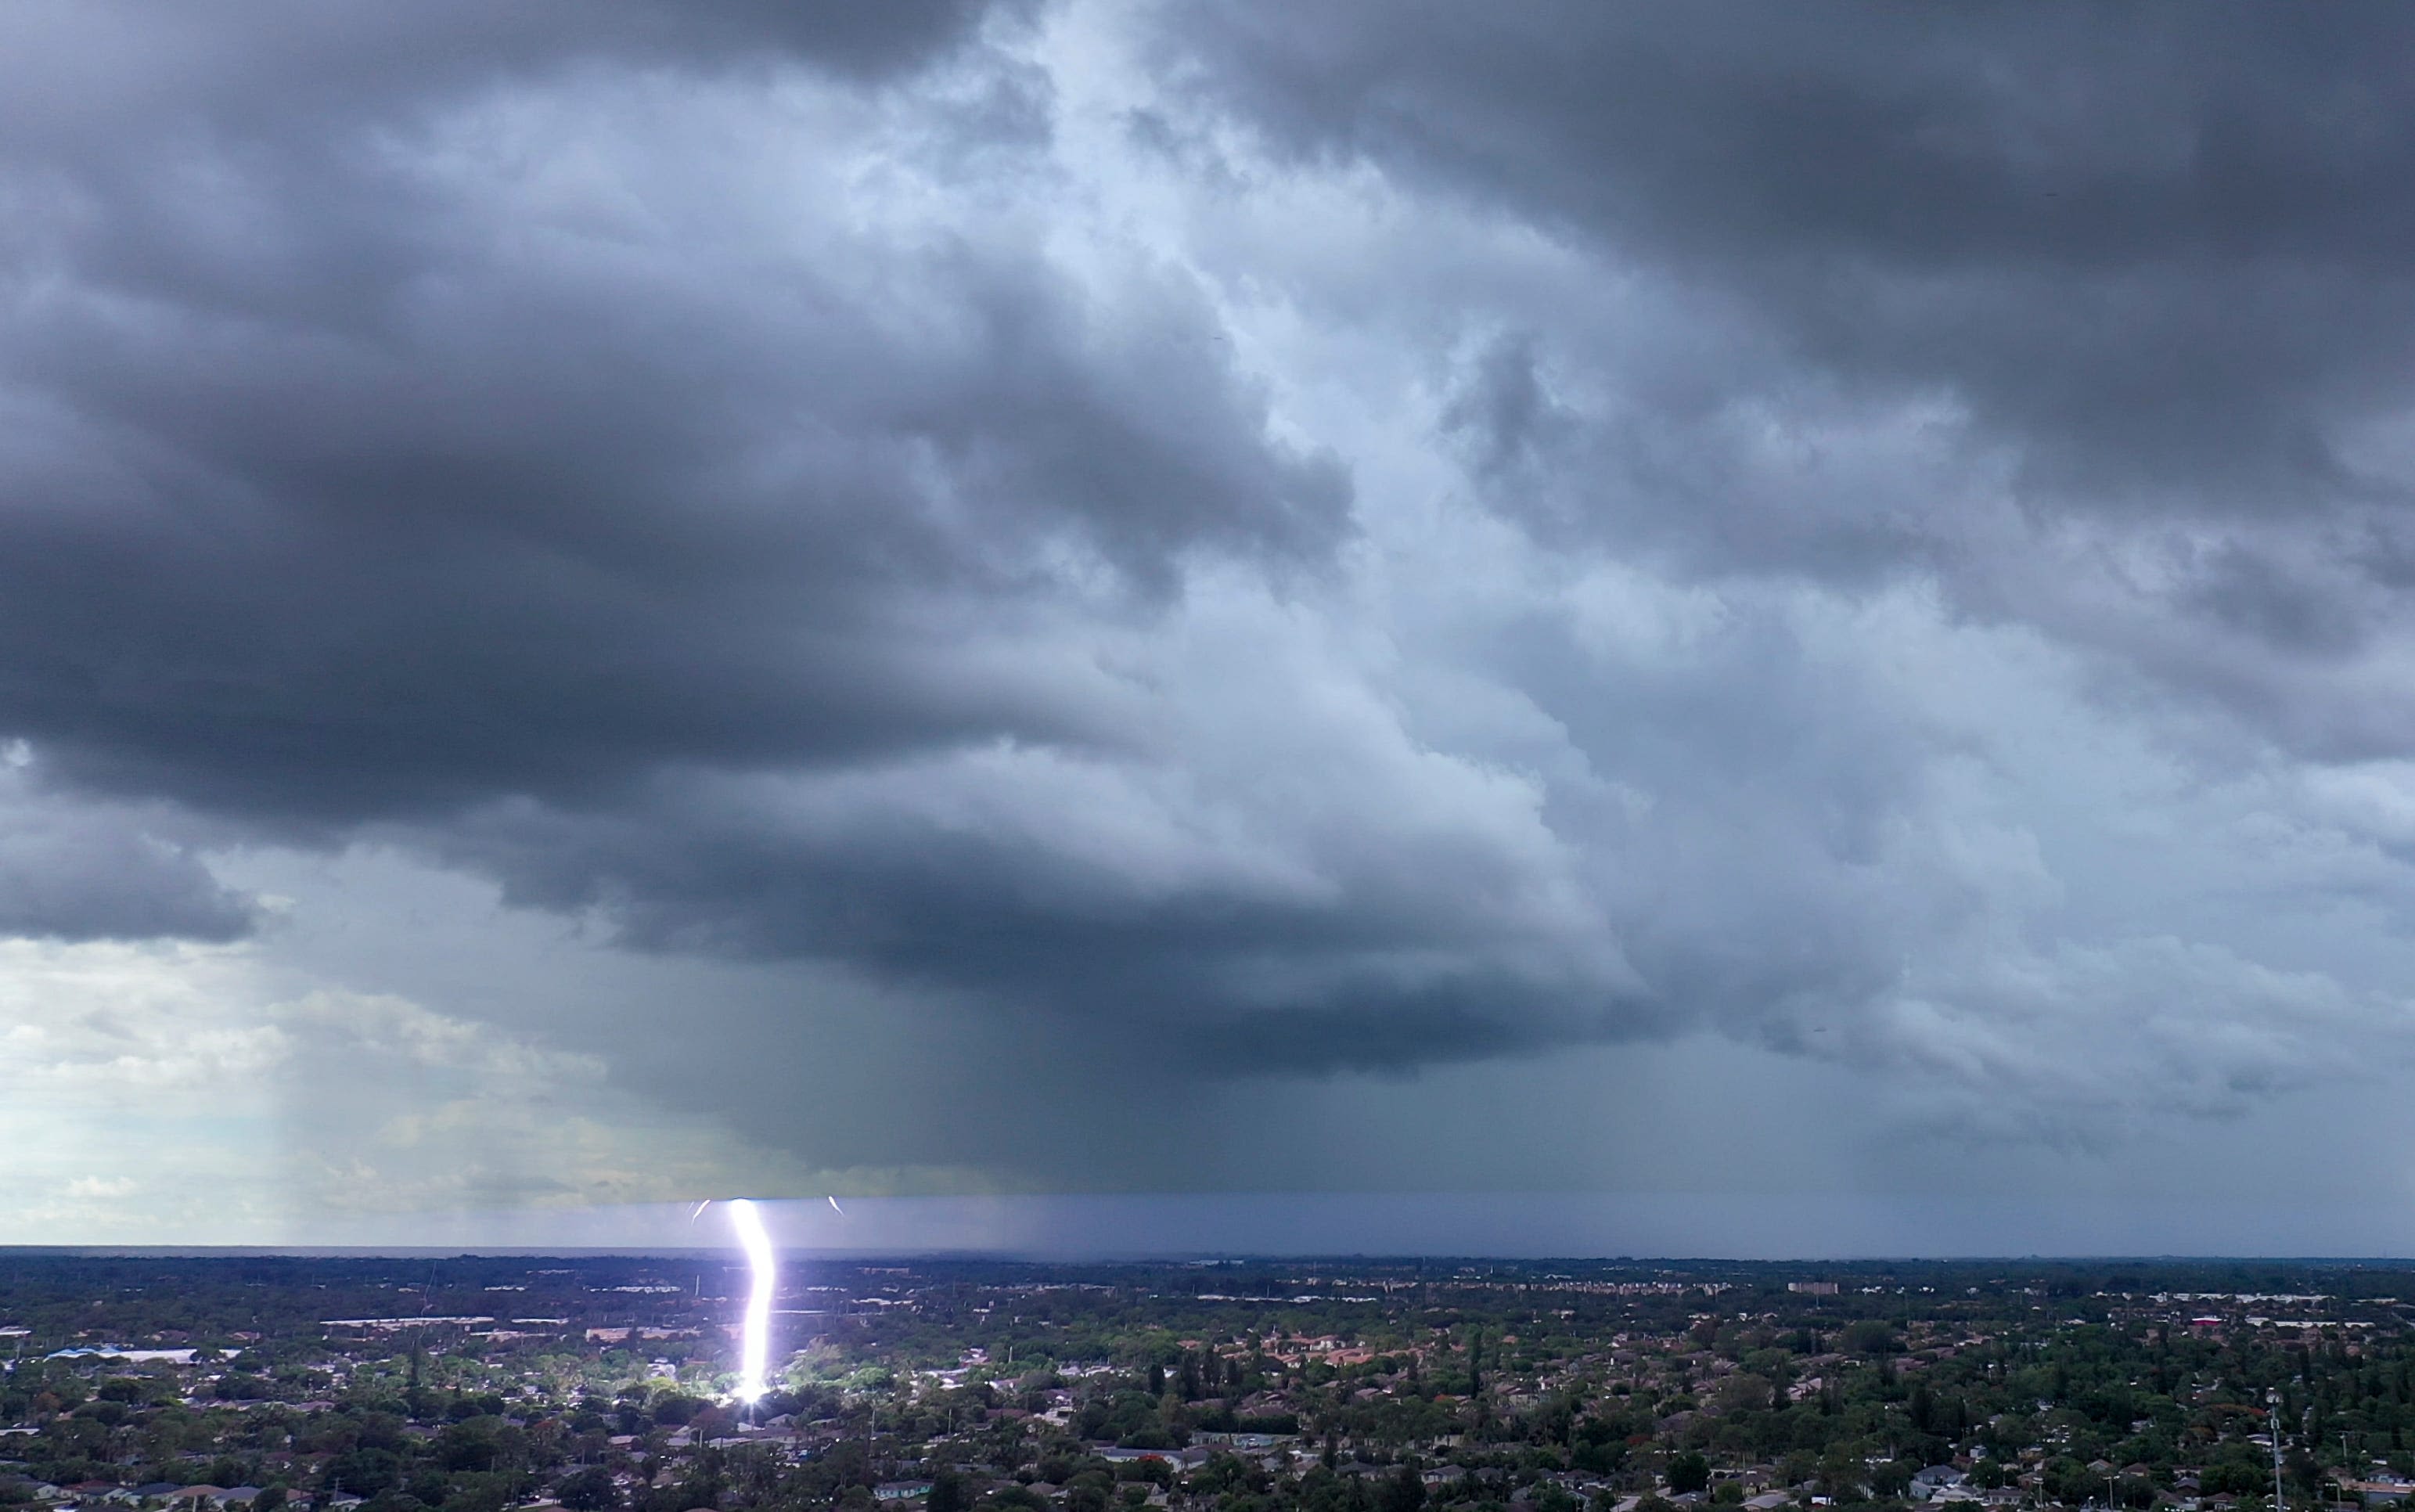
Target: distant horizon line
{"x":1156,"y":1257}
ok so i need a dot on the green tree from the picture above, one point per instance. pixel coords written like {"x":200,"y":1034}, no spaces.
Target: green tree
{"x":1688,"y":1471}
{"x":587,"y":1490}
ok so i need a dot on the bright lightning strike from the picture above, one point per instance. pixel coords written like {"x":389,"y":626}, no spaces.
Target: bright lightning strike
{"x":756,"y":1331}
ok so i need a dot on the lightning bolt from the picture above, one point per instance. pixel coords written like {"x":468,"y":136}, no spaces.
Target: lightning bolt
{"x":756,"y":1329}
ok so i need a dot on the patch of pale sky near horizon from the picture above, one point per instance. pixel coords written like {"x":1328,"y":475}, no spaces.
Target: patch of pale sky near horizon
{"x":165,"y":1093}
{"x":133,"y":1100}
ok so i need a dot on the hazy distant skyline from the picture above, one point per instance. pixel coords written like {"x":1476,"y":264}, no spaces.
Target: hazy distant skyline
{"x":1642,"y":614}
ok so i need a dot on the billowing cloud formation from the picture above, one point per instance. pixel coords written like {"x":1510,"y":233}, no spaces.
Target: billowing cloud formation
{"x":2100,"y":327}
{"x":2158,"y":257}
{"x":1123,"y":549}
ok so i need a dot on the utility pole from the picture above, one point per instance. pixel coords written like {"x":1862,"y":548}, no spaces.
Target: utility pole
{"x":2272,"y":1399}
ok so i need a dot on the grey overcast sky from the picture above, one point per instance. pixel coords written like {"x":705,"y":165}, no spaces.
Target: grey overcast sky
{"x":1621,"y":627}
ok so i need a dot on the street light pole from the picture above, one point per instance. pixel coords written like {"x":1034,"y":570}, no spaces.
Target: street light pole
{"x":2272,"y":1399}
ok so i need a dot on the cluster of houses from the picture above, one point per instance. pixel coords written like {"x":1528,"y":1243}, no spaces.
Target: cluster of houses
{"x":158,"y":1496}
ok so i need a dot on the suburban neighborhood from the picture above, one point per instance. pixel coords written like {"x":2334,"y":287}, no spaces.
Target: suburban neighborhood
{"x":593,"y":1384}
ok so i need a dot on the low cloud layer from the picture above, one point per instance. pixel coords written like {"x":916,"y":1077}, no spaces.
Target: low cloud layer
{"x":79,"y":871}
{"x":1056,"y":566}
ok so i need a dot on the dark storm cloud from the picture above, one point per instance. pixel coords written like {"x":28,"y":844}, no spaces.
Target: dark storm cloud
{"x":90,"y":74}
{"x":1075,"y":894}
{"x":2151,"y":261}
{"x":534,"y":540}
{"x":347,"y":483}
{"x":2005,"y":199}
